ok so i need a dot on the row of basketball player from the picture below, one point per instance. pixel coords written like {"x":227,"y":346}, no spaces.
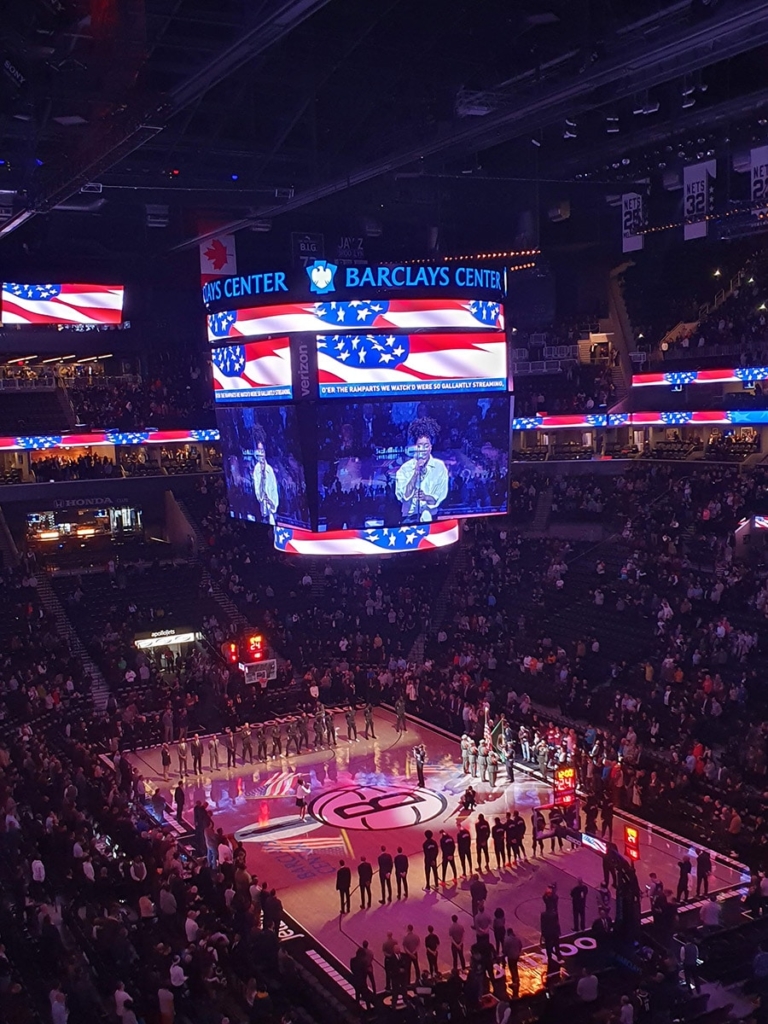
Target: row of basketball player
{"x":296,"y":737}
{"x":507,"y":836}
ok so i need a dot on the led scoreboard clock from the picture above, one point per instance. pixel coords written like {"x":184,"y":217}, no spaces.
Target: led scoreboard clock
{"x":565,"y":784}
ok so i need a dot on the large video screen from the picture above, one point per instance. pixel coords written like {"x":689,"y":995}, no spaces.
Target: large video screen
{"x":42,"y":304}
{"x":393,"y":463}
{"x":368,"y":365}
{"x":263,"y":465}
{"x":357,"y":315}
{"x":255,"y":371}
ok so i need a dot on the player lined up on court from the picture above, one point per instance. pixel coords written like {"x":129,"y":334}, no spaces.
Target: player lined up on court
{"x":270,"y":741}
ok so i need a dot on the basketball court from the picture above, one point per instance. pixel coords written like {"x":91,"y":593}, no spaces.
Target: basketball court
{"x":364,"y":794}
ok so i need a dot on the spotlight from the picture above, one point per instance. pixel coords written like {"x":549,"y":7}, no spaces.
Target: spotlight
{"x":688,"y":102}
{"x":536,"y":143}
{"x":569,"y":135}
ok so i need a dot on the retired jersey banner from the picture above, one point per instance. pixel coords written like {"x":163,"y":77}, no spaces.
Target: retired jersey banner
{"x":759,"y":176}
{"x":632,"y":221}
{"x":697,"y":198}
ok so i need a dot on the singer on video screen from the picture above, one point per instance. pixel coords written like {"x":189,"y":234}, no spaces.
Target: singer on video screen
{"x":421,"y":483}
{"x":264,"y":479}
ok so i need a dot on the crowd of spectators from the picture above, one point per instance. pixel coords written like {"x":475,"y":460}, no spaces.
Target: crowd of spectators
{"x":645,"y":650}
{"x":735,"y":329}
{"x":577,"y":388}
{"x":173,"y":393}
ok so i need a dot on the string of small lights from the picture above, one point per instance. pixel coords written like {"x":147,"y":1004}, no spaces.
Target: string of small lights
{"x":511,"y":255}
{"x":760,"y":214}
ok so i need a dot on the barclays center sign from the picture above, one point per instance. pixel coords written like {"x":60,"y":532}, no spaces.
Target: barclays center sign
{"x":324,"y":278}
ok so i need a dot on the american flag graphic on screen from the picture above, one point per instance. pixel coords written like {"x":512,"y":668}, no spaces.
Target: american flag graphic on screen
{"x":43,"y":304}
{"x":406,"y":363}
{"x":357,"y":315}
{"x":393,"y":541}
{"x":258,"y":369}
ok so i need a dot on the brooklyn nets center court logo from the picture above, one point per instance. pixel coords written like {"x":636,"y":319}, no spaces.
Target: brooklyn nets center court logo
{"x":377,"y":808}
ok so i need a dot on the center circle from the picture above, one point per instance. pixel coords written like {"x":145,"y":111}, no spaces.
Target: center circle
{"x":377,"y":808}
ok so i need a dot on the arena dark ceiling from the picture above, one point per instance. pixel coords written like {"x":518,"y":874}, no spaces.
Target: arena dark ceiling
{"x":243,"y":111}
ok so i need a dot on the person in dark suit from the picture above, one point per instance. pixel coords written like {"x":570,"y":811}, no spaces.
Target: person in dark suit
{"x":579,"y":903}
{"x":179,"y":799}
{"x":364,"y":877}
{"x":401,"y":872}
{"x":703,"y":871}
{"x":602,"y":929}
{"x":343,"y":886}
{"x":385,"y":875}
{"x":430,"y":848}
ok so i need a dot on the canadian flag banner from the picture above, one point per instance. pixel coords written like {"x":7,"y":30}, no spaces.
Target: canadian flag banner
{"x":218,"y":257}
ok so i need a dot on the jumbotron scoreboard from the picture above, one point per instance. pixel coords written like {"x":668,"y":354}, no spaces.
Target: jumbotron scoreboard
{"x":362,"y":410}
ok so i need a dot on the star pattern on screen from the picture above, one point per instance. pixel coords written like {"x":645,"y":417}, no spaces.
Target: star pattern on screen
{"x":34,"y":292}
{"x":129,"y":437}
{"x":38,"y":442}
{"x":356,"y":313}
{"x":679,"y":377}
{"x":377,"y":350}
{"x":485,"y":312}
{"x":676,"y":419}
{"x":230,"y":360}
{"x":220,"y":323}
{"x":204,"y":435}
{"x":751,"y":373}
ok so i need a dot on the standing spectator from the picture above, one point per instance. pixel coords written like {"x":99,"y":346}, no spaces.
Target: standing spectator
{"x":359,"y":970}
{"x":432,"y":944}
{"x":587,"y":988}
{"x":456,"y":934}
{"x":513,"y":950}
{"x":689,"y":958}
{"x":411,"y":943}
{"x":165,"y":757}
{"x":479,"y":893}
{"x":550,"y":934}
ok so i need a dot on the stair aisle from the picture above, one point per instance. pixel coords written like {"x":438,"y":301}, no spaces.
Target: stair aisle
{"x":54,"y":607}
